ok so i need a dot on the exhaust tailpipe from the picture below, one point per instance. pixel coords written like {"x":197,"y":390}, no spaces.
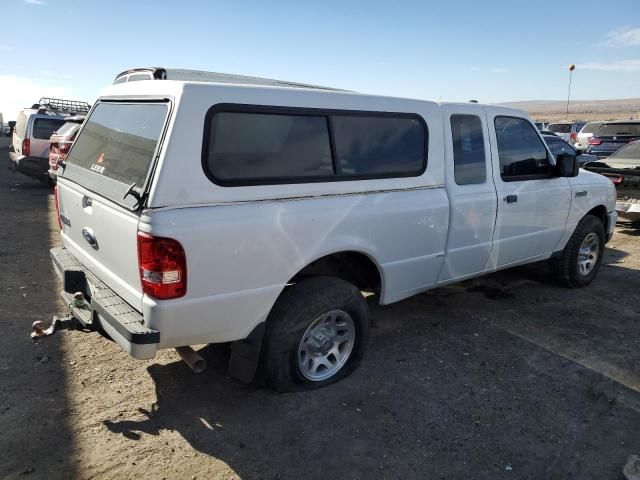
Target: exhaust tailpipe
{"x":191,"y":358}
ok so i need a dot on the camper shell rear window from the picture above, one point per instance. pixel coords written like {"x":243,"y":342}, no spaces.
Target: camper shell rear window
{"x":117,"y":146}
{"x":261,"y":145}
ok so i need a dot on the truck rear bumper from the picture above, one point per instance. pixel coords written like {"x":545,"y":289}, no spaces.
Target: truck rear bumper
{"x":33,"y":166}
{"x":116,"y":317}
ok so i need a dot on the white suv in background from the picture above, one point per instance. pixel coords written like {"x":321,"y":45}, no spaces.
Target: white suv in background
{"x":29,"y":149}
{"x":582,"y":139}
{"x":568,"y":131}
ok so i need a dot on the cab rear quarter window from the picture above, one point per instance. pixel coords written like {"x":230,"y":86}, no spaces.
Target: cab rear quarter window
{"x":256,"y":145}
{"x":469,"y":159}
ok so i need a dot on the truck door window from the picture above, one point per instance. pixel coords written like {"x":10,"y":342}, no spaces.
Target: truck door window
{"x":522,"y":154}
{"x":469,"y":160}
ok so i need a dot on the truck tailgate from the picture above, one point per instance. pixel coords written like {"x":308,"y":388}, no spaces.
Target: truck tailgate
{"x":103,"y":237}
{"x":100,"y":188}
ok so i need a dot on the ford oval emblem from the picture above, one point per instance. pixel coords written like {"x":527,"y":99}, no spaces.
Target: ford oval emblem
{"x":88,"y":235}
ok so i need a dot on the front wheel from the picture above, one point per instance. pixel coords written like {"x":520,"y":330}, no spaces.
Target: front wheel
{"x":579,"y":262}
{"x":316,"y":335}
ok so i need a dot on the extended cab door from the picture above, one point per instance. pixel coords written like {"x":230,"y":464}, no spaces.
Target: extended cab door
{"x":472,"y":194}
{"x":532,"y":205}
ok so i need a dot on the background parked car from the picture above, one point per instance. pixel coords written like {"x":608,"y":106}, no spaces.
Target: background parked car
{"x":547,"y":132}
{"x":568,"y":131}
{"x":61,"y":142}
{"x":585,"y":133}
{"x":541,"y":125}
{"x":558,"y":146}
{"x":29,"y":150}
{"x":611,"y":136}
{"x":623,"y":168}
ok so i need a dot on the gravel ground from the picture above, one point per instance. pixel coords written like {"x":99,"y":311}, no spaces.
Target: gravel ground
{"x":503,"y":377}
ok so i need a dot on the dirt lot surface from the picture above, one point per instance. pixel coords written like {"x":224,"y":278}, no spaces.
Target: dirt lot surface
{"x":505,"y":377}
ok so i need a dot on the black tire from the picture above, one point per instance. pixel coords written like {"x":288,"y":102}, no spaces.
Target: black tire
{"x":565,"y":268}
{"x":294,"y":312}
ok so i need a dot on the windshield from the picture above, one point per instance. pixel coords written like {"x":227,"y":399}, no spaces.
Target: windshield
{"x":613,"y":129}
{"x":560,"y":127}
{"x":119,"y":140}
{"x":628,"y":154}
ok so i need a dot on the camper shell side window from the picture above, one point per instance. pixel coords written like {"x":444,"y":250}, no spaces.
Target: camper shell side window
{"x":259,"y":145}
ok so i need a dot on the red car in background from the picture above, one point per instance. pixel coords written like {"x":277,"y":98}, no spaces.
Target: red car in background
{"x":61,"y":142}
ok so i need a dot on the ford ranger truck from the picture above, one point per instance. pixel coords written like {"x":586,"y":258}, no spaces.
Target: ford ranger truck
{"x":256,"y":213}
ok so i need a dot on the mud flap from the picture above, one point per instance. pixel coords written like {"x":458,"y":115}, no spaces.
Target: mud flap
{"x":245,"y":355}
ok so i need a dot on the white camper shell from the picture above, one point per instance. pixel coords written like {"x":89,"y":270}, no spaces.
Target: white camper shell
{"x":206,"y":212}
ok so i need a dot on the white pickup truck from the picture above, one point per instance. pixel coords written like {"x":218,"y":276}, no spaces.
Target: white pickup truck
{"x":195,"y":212}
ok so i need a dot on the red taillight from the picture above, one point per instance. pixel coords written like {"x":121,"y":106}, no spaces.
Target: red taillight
{"x":616,"y":179}
{"x":63,"y":147}
{"x":573,"y":136}
{"x":163,"y":267}
{"x":595,"y":141}
{"x":26,"y":147}
{"x":55,"y":190}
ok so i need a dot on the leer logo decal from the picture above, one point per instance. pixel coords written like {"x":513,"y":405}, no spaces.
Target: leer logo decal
{"x":98,"y":168}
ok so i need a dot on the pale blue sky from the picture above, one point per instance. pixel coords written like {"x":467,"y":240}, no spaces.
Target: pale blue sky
{"x":492,"y":51}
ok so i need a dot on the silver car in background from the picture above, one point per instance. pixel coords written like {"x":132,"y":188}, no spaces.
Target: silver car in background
{"x":567,"y":130}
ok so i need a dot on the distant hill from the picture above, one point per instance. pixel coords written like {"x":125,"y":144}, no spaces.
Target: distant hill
{"x":555,"y":110}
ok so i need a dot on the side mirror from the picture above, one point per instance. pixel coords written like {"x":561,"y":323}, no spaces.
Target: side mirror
{"x":566,"y":166}
{"x":579,"y":152}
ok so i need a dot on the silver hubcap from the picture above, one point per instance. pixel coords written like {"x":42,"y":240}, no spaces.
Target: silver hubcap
{"x":588,"y":254}
{"x":326,"y":345}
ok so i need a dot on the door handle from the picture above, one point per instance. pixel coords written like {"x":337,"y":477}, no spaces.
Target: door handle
{"x":511,"y":198}
{"x":582,"y":193}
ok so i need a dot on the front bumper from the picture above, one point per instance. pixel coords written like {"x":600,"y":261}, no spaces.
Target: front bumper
{"x":104,"y":307}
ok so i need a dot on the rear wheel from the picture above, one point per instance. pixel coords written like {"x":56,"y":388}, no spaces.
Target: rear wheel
{"x":579,"y":262}
{"x":316,"y":335}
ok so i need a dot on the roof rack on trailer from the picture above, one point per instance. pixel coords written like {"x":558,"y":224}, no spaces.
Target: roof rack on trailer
{"x":160,"y":73}
{"x":63,"y":106}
